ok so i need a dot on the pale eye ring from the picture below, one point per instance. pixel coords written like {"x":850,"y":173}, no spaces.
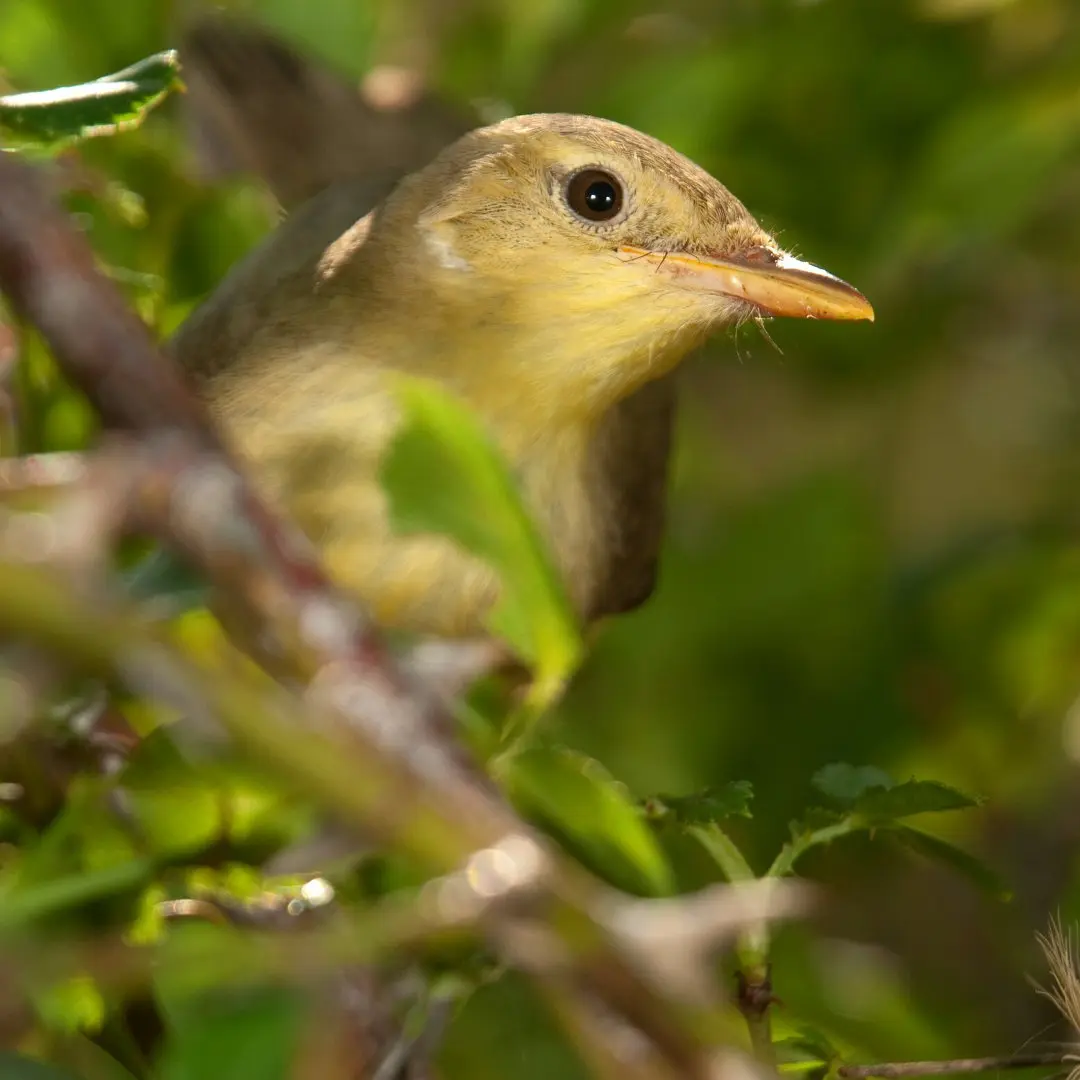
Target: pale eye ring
{"x":595,"y":195}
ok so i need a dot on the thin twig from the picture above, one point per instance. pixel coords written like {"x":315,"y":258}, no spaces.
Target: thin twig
{"x":889,"y":1070}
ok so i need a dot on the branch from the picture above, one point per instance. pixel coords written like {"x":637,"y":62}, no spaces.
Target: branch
{"x":889,"y":1070}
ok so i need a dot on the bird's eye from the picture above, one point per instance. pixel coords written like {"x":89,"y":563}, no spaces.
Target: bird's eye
{"x":594,"y":195}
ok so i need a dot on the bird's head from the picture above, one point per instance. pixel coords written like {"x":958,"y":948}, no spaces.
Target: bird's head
{"x":589,"y":250}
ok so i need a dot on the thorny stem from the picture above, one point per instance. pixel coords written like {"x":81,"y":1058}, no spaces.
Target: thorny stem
{"x":793,"y":850}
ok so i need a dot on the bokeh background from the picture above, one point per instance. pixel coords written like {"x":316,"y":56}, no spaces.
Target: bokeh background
{"x":872,"y":554}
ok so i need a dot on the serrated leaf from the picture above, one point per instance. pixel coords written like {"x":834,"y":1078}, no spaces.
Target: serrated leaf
{"x":578,"y":797}
{"x":845,"y":783}
{"x":443,"y":475}
{"x":912,"y":797}
{"x":703,"y":807}
{"x":17,"y":1067}
{"x":105,"y":106}
{"x":970,"y":866}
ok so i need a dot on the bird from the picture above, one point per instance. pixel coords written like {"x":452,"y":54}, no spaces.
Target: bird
{"x":550,"y":270}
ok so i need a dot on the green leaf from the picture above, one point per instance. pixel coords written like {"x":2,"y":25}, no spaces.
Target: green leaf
{"x":703,"y":807}
{"x":17,"y":1067}
{"x":845,"y":783}
{"x":963,"y":862}
{"x":869,"y":792}
{"x":179,"y":807}
{"x":576,"y":796}
{"x":21,"y":906}
{"x":913,"y":797}
{"x":240,"y":1036}
{"x":443,"y":475}
{"x":74,"y":1005}
{"x":108,"y":105}
{"x":164,"y":578}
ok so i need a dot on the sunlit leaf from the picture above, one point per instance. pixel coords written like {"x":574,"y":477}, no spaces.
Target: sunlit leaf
{"x":103,"y":107}
{"x":73,"y":1005}
{"x":577,"y":796}
{"x":178,"y":809}
{"x":443,"y":475}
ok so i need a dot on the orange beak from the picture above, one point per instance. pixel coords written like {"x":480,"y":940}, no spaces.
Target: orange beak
{"x":774,"y":283}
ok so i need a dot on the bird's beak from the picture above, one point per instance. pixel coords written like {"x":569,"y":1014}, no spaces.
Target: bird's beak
{"x":775,"y":283}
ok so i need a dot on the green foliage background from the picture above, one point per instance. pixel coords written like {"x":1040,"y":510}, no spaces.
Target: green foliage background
{"x":871,"y":555}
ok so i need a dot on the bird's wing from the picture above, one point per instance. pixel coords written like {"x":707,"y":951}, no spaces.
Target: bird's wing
{"x":269,"y":294}
{"x":256,"y":105}
{"x":631,"y":452}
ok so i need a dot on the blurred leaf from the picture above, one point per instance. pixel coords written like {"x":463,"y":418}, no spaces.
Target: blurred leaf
{"x":85,"y":849}
{"x":159,"y":575}
{"x":703,"y":807}
{"x":963,"y":862}
{"x":443,"y":475}
{"x":105,"y":106}
{"x":845,"y":783}
{"x":68,"y":422}
{"x":577,"y":796}
{"x":808,"y":1046}
{"x":73,"y":1005}
{"x":17,"y":1067}
{"x":236,"y":1037}
{"x":21,"y":906}
{"x":178,"y":808}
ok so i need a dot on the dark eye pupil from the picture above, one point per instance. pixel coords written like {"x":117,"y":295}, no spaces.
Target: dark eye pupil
{"x":594,"y":195}
{"x":600,"y":197}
